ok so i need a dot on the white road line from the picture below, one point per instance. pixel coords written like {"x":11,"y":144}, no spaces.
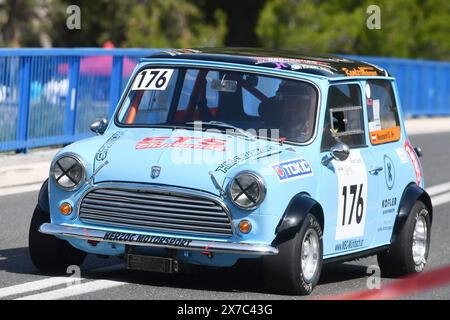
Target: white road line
{"x":20,"y":189}
{"x":74,"y":290}
{"x":439,"y":188}
{"x":49,"y":282}
{"x":440,"y":199}
{"x":32,"y":286}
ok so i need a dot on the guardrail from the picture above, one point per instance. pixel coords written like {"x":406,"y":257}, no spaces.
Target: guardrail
{"x":50,"y":96}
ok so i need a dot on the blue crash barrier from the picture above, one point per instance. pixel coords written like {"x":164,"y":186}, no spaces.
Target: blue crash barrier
{"x":50,"y":96}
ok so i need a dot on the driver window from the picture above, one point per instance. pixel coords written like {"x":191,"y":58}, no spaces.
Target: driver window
{"x":344,"y":117}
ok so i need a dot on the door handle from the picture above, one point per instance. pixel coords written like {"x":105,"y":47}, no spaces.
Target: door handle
{"x":375,"y":171}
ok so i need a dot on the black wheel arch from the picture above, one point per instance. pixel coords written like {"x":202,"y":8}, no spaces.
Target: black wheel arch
{"x":294,"y":215}
{"x":43,"y":201}
{"x":411,"y":195}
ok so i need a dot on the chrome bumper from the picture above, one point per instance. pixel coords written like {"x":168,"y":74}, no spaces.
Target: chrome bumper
{"x":156,"y":241}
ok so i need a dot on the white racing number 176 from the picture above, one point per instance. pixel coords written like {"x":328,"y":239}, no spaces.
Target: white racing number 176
{"x":352,"y":202}
{"x":152,"y":79}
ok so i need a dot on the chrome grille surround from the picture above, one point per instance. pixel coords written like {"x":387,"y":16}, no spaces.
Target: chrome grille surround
{"x":156,"y":208}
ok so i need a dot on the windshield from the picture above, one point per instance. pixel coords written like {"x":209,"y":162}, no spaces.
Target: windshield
{"x":181,"y":97}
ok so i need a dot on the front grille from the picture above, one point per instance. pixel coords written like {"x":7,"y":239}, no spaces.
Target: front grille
{"x":155,"y":210}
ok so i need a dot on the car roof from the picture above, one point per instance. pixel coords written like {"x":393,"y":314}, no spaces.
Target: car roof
{"x":327,"y":66}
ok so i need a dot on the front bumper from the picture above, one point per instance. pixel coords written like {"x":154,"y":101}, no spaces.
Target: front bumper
{"x":156,"y":241}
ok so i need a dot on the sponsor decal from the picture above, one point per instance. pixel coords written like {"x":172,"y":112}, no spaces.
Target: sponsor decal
{"x":385,"y":228}
{"x":177,"y":52}
{"x":391,"y":202}
{"x":292,"y":169}
{"x":288,"y":60}
{"x":294,"y":64}
{"x":360,"y":71}
{"x":298,"y":66}
{"x":389,"y":172}
{"x":146,"y":239}
{"x":181,"y":142}
{"x":228,"y":164}
{"x":415,"y":161}
{"x":389,"y":205}
{"x":103,"y":151}
{"x":402,"y":155}
{"x":156,"y":171}
{"x":385,"y":135}
{"x":349,"y":244}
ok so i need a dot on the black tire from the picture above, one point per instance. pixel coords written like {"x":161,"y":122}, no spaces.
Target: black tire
{"x":48,"y":253}
{"x":283,"y":272}
{"x":398,"y":260}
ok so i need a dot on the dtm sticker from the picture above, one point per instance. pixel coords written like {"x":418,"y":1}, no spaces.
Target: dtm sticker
{"x":352,"y":203}
{"x":292,"y":169}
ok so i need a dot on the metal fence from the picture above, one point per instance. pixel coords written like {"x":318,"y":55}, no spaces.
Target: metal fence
{"x":50,"y":96}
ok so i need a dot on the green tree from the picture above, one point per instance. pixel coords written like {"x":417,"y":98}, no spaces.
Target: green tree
{"x":409,"y":28}
{"x":172,"y":23}
{"x":26,"y":22}
{"x":131,"y":23}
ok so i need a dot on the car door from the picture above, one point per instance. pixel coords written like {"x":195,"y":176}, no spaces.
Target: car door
{"x":348,"y":192}
{"x":388,"y":151}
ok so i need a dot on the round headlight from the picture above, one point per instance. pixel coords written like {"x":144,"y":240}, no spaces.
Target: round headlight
{"x":69,"y":172}
{"x":247,"y":190}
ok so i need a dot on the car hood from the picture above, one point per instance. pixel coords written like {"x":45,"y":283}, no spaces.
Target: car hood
{"x":177,"y":157}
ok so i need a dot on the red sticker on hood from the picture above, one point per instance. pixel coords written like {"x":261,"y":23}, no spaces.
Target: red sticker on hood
{"x":181,"y":142}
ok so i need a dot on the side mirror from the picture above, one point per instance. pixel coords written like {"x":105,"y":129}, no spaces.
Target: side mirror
{"x":99,"y":126}
{"x":339,"y":152}
{"x":418,"y":151}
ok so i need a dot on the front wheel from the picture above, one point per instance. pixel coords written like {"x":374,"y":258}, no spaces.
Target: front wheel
{"x":409,"y":253}
{"x":296,"y":268}
{"x":48,"y":253}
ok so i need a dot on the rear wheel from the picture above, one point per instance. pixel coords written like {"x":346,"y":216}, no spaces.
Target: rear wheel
{"x":48,"y":253}
{"x":296,"y":268}
{"x":409,"y":253}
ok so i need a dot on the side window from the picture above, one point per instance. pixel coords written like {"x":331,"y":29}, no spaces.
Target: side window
{"x":344,"y":117}
{"x":384,"y":122}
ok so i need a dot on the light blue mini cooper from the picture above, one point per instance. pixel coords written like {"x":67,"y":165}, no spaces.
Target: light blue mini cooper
{"x":218,"y":155}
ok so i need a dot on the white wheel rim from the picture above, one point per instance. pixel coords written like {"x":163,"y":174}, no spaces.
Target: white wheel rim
{"x":419,"y":244}
{"x":310,"y":254}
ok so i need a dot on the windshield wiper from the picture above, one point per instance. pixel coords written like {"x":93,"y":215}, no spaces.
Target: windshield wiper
{"x":221,"y":124}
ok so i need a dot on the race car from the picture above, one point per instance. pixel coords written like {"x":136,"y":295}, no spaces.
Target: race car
{"x":214,"y":156}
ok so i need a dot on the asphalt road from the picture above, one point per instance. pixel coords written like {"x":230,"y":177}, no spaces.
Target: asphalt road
{"x":107,"y":278}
